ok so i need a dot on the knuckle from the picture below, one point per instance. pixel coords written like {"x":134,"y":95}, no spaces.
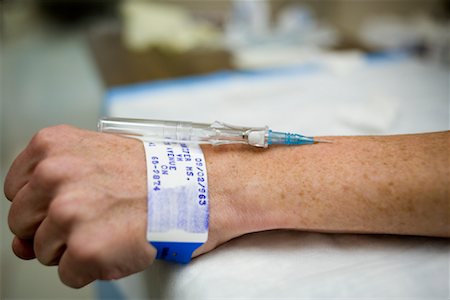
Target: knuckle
{"x":54,"y":170}
{"x":9,"y":192}
{"x":63,"y":210}
{"x":46,"y":137}
{"x":46,"y":170}
{"x":39,"y":250}
{"x":18,"y":226}
{"x":43,"y":250}
{"x":70,"y":279}
{"x":49,"y":172}
{"x":87,"y":253}
{"x":38,"y":247}
{"x":41,"y":140}
{"x":14,"y":179}
{"x":8,"y":189}
{"x":110,"y":274}
{"x":12,"y":220}
{"x":45,"y":260}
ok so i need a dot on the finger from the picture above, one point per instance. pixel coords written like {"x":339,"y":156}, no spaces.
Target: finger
{"x":76,"y":271}
{"x":27,"y":211}
{"x":23,"y":166}
{"x":49,"y":243}
{"x":23,"y":248}
{"x":86,"y":257}
{"x":20,"y":172}
{"x":30,"y":204}
{"x":39,"y":146}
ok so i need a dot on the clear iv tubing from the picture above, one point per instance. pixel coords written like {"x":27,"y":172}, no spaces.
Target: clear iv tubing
{"x":217,"y":133}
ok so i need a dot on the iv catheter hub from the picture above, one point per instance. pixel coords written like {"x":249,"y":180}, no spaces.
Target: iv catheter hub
{"x":217,"y":133}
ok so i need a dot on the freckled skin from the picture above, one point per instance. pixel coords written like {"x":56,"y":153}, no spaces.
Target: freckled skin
{"x":383,"y":184}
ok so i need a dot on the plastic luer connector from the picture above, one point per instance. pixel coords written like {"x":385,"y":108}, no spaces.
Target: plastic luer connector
{"x":216,"y":133}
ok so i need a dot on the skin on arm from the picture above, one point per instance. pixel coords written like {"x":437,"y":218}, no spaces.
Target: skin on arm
{"x":378,"y":184}
{"x":79,"y":198}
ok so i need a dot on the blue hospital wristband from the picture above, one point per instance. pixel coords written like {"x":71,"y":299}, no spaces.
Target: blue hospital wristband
{"x":178,"y":214}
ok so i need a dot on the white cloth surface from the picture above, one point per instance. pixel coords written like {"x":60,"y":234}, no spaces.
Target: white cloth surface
{"x":288,"y":264}
{"x":373,"y":96}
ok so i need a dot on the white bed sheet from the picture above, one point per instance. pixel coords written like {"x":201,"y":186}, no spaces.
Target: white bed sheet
{"x":386,"y":95}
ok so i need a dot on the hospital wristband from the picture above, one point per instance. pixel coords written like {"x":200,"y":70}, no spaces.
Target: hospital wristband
{"x":177,"y":214}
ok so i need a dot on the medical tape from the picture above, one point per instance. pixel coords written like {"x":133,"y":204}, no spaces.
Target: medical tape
{"x":177,"y":214}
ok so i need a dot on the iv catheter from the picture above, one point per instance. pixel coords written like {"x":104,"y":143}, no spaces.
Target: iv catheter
{"x":217,"y":133}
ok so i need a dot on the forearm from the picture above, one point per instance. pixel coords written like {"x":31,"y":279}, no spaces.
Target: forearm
{"x":390,"y":184}
{"x":91,"y":220}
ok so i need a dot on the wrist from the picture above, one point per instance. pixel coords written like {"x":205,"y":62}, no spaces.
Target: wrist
{"x":238,"y":203}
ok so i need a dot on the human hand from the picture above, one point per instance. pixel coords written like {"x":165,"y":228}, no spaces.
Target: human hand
{"x":79,"y":200}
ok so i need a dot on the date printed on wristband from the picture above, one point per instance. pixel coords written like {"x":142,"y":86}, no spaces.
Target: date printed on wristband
{"x":178,"y":206}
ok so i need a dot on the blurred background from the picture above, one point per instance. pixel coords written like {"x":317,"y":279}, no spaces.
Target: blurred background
{"x":59,"y":58}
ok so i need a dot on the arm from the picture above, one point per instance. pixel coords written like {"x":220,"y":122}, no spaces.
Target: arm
{"x":391,"y":184}
{"x":79,"y":197}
